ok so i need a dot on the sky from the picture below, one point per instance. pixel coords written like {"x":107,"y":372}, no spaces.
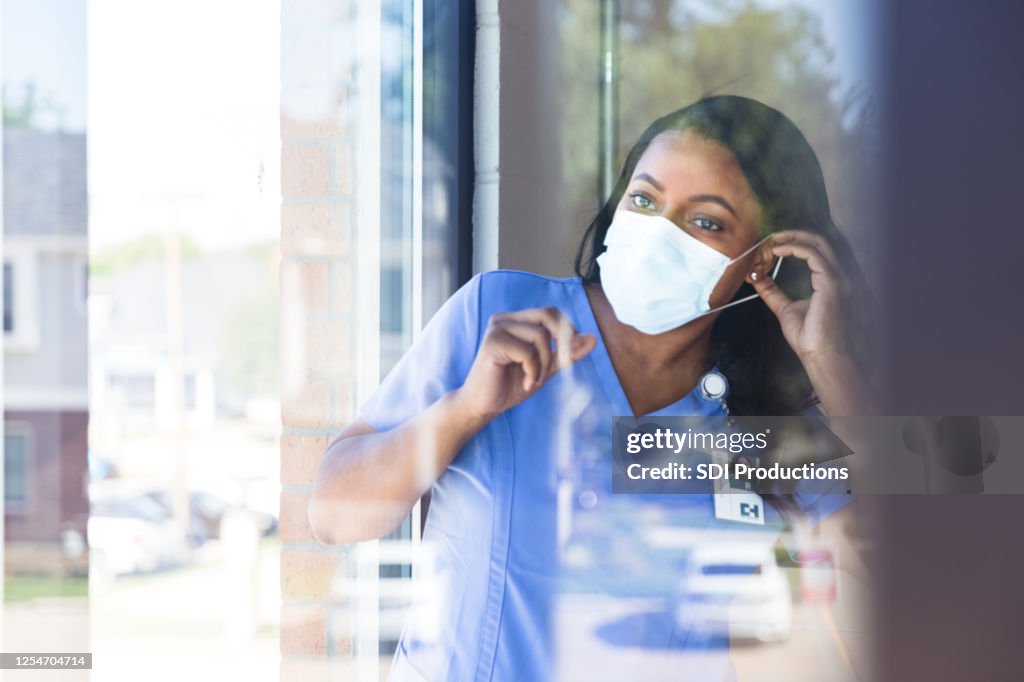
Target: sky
{"x":184,"y":120}
{"x":58,"y":71}
{"x":181,"y":102}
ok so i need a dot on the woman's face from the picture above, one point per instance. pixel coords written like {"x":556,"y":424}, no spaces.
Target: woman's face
{"x":697,"y":184}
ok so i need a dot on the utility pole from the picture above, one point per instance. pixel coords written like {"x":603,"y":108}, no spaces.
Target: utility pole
{"x":608,"y":97}
{"x":176,"y":358}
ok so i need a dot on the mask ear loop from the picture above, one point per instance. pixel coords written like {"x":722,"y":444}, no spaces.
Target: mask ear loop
{"x":775,"y":272}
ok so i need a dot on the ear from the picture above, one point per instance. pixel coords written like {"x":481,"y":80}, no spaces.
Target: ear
{"x":763,"y":262}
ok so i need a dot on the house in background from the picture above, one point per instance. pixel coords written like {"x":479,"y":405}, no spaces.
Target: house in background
{"x":228,"y":311}
{"x":45,"y":396}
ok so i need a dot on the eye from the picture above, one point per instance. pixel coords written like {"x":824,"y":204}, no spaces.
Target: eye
{"x":642,"y":201}
{"x":706,"y":223}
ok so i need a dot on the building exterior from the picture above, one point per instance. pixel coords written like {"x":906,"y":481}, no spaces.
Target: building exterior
{"x":133,"y":367}
{"x":46,"y":408}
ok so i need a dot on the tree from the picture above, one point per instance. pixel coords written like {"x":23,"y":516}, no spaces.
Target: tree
{"x":670,"y":55}
{"x":31,"y":109}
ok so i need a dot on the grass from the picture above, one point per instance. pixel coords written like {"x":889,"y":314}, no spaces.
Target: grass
{"x":25,"y":588}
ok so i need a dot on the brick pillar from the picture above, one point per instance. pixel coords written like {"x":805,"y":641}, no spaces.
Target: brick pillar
{"x":316,"y":317}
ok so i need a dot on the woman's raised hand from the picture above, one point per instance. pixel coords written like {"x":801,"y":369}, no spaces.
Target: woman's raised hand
{"x":381,"y":474}
{"x":813,"y":327}
{"x":520,"y":351}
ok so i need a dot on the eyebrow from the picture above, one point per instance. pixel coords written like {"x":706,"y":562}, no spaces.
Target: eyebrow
{"x":715,"y":199}
{"x":709,"y":198}
{"x":651,"y":181}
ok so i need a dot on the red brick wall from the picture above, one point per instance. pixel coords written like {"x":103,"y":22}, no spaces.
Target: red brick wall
{"x":58,"y":475}
{"x":57,"y":480}
{"x":317,"y":266}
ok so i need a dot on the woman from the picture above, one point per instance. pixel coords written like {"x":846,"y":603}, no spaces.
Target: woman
{"x":710,"y":199}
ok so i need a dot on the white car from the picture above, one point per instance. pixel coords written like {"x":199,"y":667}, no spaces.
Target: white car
{"x":735,"y":589}
{"x":132,"y":534}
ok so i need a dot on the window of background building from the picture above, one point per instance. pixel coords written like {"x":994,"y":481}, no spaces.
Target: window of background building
{"x":8,"y":298}
{"x":22,"y":313}
{"x":17,"y":445}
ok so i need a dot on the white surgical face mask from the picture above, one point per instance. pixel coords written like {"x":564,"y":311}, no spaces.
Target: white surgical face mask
{"x":656,"y":276}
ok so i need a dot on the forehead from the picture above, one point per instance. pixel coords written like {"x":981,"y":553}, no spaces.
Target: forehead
{"x":686,"y":163}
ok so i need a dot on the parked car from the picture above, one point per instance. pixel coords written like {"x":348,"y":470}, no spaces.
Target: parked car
{"x":735,"y":589}
{"x":100,"y":468}
{"x":205,"y":513}
{"x":133,"y":534}
{"x":819,"y":574}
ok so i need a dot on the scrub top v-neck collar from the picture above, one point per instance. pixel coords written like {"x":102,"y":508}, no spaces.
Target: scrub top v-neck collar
{"x":693,"y":403}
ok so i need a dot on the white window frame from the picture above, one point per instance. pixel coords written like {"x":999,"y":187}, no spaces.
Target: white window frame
{"x":366,"y":606}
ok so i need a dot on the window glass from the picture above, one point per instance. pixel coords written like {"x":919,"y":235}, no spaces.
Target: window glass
{"x":812,"y":61}
{"x":44,"y":228}
{"x":15,"y":469}
{"x":424,"y":246}
{"x":8,"y":297}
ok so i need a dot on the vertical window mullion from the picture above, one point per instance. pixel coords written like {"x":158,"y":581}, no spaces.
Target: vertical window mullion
{"x":423,"y":209}
{"x":366,"y":612}
{"x":416,"y":295}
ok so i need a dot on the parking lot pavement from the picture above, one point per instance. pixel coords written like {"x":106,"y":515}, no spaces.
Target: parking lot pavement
{"x":601,"y":638}
{"x":46,"y":626}
{"x":175,"y":624}
{"x":168,"y":625}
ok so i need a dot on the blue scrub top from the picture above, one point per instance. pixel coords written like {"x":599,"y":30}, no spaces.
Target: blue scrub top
{"x":496,"y":521}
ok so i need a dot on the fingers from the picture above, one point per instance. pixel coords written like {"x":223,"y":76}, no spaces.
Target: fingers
{"x":771,"y":294}
{"x":815,"y":259}
{"x":816,"y":241}
{"x":582,"y":344}
{"x":579,"y":348}
{"x":820,"y":244}
{"x":823,"y":276}
{"x":534,"y":334}
{"x":506,"y":348}
{"x":539,"y":328}
{"x":551,"y":318}
{"x":557,"y":324}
